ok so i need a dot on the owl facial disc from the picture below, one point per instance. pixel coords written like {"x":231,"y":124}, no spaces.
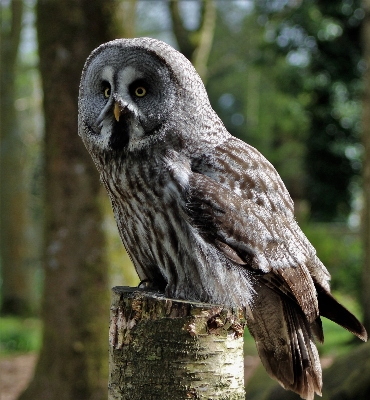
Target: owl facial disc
{"x":132,"y":94}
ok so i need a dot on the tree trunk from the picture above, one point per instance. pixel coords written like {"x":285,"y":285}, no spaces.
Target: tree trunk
{"x":72,"y":363}
{"x":126,"y":16}
{"x":195,"y":45}
{"x":366,"y":168}
{"x":173,"y":350}
{"x":15,"y":280}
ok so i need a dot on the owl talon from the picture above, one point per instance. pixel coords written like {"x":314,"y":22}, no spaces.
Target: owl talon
{"x":145,"y":282}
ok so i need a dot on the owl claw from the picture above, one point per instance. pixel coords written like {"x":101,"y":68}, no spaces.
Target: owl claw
{"x":145,"y":282}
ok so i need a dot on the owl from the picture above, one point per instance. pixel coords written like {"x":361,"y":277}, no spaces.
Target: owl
{"x":203,"y":215}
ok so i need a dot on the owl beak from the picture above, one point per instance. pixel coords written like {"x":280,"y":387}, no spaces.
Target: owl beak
{"x":116,"y":111}
{"x":120,"y":108}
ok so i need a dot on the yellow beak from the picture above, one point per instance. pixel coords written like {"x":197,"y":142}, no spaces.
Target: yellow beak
{"x":116,"y":112}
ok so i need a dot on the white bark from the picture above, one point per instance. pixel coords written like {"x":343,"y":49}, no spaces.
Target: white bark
{"x":171,"y":349}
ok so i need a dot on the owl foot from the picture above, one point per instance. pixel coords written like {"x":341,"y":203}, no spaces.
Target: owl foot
{"x":145,"y":283}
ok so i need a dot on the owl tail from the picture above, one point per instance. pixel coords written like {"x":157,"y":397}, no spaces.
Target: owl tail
{"x":331,"y":309}
{"x":285,"y":342}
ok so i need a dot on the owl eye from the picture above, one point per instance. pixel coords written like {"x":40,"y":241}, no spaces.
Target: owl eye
{"x":107,"y":92}
{"x":140,"y":91}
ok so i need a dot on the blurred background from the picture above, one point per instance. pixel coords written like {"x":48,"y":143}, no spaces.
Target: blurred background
{"x":290,"y":77}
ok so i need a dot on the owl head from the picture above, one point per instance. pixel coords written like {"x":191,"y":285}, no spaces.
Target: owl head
{"x":133,"y":92}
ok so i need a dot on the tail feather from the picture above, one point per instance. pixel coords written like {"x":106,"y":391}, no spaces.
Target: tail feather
{"x":331,"y":309}
{"x":317,"y":330}
{"x":285,"y":343}
{"x":306,"y":362}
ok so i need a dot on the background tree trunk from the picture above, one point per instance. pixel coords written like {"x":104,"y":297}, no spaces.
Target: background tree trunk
{"x":15,"y":280}
{"x":366,"y":167}
{"x":126,"y":14}
{"x":195,"y":45}
{"x":164,"y":349}
{"x":72,"y":363}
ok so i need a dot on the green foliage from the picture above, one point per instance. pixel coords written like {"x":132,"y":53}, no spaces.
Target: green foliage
{"x":340,"y":250}
{"x":121,"y":270}
{"x":19,"y":335}
{"x":250,"y":348}
{"x":323,"y":41}
{"x":286,"y":78}
{"x":259,"y":95}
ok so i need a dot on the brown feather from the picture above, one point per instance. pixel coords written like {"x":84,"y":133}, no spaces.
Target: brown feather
{"x":331,"y":309}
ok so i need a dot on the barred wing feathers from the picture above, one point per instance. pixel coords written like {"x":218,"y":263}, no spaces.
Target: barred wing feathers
{"x":285,"y":312}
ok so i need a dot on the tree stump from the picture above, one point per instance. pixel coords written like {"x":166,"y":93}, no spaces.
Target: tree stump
{"x":167,"y":349}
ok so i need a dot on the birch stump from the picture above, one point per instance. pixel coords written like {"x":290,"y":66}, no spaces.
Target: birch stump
{"x":165,"y":349}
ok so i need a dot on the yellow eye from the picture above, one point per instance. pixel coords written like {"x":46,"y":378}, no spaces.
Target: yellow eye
{"x":107,"y":92}
{"x":140,"y":91}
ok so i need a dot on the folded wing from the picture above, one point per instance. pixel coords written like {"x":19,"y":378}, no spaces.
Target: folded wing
{"x":292,"y":283}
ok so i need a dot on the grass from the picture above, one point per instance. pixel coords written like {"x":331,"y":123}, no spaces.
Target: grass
{"x":19,"y":335}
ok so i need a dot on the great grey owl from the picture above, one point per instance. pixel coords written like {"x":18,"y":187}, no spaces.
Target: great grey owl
{"x":203,"y":215}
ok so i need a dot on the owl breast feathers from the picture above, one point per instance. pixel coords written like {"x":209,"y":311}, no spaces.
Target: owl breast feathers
{"x":203,"y":215}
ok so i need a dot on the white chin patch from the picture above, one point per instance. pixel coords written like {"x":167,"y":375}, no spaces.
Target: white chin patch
{"x":137,"y":136}
{"x":136,"y":131}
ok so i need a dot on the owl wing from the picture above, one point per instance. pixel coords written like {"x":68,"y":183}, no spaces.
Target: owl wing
{"x":246,"y":233}
{"x":267,"y":234}
{"x":285,"y":311}
{"x":245,"y":171}
{"x":285,"y":304}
